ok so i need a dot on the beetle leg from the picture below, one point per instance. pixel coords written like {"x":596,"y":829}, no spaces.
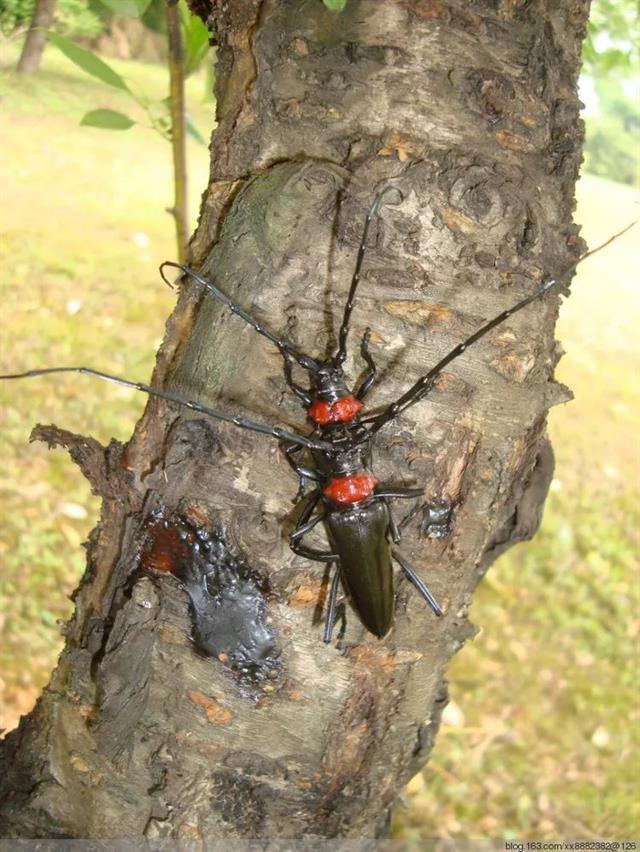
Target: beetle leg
{"x":314,"y":555}
{"x":290,"y":451}
{"x":331,"y":607}
{"x":302,"y":529}
{"x":410,"y":515}
{"x":400,"y":493}
{"x":313,"y":500}
{"x":370,"y":378}
{"x":303,"y":472}
{"x":417,"y":582}
{"x":299,"y":391}
{"x":305,"y":524}
{"x":393,"y":527}
{"x":309,"y":552}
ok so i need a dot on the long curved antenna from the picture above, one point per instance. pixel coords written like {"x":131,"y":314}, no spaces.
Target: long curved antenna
{"x":424,"y":384}
{"x":283,"y":345}
{"x":242,"y":422}
{"x":341,"y":354}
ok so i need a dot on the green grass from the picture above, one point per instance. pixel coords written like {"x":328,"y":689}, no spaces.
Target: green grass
{"x":541,"y":740}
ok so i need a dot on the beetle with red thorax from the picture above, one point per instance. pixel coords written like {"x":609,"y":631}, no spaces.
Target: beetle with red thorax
{"x":347,"y":496}
{"x":354,"y":507}
{"x":356,"y":512}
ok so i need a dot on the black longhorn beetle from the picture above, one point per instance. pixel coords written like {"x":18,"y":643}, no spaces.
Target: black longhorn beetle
{"x":356,"y":510}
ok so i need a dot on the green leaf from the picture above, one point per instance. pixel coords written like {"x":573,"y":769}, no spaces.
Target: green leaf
{"x":195,"y":37}
{"x":107,"y":119}
{"x":335,"y":5}
{"x":129,"y":8}
{"x":88,"y":61}
{"x":193,"y":131}
{"x":614,"y":59}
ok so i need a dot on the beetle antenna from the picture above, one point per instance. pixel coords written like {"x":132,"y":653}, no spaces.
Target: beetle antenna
{"x":242,"y":422}
{"x":422,"y":387}
{"x":286,"y":348}
{"x":372,"y":212}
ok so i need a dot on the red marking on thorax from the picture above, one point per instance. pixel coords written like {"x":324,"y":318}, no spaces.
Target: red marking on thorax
{"x":350,"y":489}
{"x":341,"y":411}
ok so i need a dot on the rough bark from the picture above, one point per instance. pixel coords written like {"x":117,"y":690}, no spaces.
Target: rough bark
{"x":34,"y":43}
{"x":472,"y":107}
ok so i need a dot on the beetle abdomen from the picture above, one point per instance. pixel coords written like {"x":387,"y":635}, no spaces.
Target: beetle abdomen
{"x":359,"y":537}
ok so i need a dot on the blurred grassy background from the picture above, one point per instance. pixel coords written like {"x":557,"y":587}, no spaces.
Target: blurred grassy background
{"x":540,"y":739}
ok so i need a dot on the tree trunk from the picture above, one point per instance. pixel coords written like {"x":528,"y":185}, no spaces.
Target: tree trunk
{"x":472,"y":108}
{"x":34,"y":43}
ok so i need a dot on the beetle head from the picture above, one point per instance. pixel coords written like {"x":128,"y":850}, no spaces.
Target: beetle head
{"x":329,"y":383}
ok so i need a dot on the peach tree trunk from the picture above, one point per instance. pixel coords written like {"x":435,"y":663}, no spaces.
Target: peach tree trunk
{"x":471,"y":107}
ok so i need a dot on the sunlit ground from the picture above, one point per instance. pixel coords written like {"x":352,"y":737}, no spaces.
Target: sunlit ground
{"x":541,"y":737}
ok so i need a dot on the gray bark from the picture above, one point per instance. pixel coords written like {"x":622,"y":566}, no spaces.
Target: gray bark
{"x":36,"y":38}
{"x":472,"y":107}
